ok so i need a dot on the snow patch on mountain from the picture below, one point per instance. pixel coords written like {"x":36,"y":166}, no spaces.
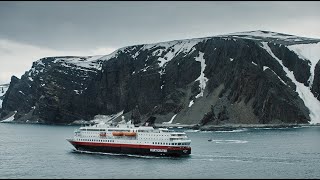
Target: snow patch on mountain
{"x":258,"y":35}
{"x":88,"y":63}
{"x":106,"y":118}
{"x":309,"y":52}
{"x":81,"y":63}
{"x":266,"y":67}
{"x":170,"y":122}
{"x":3,"y":90}
{"x":304,"y":92}
{"x":191,"y":103}
{"x":202,"y":79}
{"x":114,"y":54}
{"x":9,"y":119}
{"x":173,"y":48}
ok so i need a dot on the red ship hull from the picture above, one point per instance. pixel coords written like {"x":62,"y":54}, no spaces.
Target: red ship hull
{"x":131,"y":148}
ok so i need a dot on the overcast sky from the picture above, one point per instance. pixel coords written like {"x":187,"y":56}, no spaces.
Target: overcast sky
{"x":30,"y":30}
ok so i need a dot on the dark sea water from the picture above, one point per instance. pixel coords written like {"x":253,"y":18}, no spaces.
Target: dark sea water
{"x":41,"y":151}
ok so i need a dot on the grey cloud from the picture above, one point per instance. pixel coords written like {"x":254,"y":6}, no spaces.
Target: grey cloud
{"x":86,"y":24}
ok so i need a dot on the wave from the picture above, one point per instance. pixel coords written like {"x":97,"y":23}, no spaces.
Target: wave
{"x":224,"y":131}
{"x":275,"y":128}
{"x":228,"y":141}
{"x":205,"y":131}
{"x":209,"y":157}
{"x":190,"y":130}
{"x":232,"y":131}
{"x":119,"y":154}
{"x":90,"y":152}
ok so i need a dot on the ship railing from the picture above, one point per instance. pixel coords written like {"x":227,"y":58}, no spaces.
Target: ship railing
{"x":179,"y":137}
{"x":174,"y":140}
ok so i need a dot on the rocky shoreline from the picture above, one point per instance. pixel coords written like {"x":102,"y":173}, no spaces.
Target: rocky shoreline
{"x":231,"y":127}
{"x":224,"y":127}
{"x":241,"y":126}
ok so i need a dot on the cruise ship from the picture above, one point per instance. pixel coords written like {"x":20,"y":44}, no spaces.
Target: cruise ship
{"x":126,"y":138}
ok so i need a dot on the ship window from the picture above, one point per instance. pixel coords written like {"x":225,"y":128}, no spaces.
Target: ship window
{"x":179,"y":143}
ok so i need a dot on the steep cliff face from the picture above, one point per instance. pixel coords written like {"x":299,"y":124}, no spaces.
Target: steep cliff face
{"x":3,"y":90}
{"x":316,"y":82}
{"x":250,"y":77}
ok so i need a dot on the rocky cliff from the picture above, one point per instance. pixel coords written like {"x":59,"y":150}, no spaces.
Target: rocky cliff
{"x":256,"y":77}
{"x":3,"y":90}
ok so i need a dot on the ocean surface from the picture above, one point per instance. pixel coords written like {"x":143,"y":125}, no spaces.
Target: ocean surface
{"x":41,"y":151}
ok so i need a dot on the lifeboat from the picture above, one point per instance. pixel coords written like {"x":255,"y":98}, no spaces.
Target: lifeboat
{"x":115,"y":133}
{"x":129,"y":133}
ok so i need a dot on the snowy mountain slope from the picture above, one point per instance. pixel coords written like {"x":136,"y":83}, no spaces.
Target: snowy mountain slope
{"x":246,"y":77}
{"x":304,"y":92}
{"x":273,"y":37}
{"x":306,"y":48}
